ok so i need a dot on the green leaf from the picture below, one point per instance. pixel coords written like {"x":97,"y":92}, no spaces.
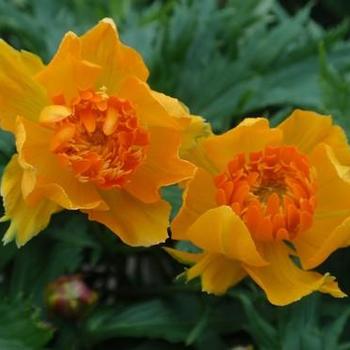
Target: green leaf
{"x":298,"y":325}
{"x":56,"y":251}
{"x":152,"y":319}
{"x":21,"y":327}
{"x":335,"y":88}
{"x":199,"y":328}
{"x":259,"y":328}
{"x":332,"y":333}
{"x":182,"y":318}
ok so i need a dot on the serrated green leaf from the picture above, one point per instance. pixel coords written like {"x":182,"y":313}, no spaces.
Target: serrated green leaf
{"x":152,"y":319}
{"x":21,"y":328}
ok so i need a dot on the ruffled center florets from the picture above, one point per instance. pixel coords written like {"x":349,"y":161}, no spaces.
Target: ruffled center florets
{"x":100,"y":138}
{"x":273,"y":191}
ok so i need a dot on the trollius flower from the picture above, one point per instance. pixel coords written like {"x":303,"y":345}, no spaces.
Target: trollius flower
{"x":90,"y":135}
{"x":269,"y":203}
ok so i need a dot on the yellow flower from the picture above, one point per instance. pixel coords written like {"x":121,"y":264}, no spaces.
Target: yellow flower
{"x":267,"y":197}
{"x":90,"y":135}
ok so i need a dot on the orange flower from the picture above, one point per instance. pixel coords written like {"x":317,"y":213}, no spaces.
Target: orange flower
{"x":90,"y":135}
{"x":264,"y":198}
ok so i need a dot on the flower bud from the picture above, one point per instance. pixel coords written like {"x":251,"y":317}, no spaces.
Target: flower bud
{"x":70,"y":297}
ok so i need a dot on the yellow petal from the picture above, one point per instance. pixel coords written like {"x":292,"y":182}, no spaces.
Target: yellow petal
{"x":330,"y":229}
{"x":192,"y":141}
{"x":337,"y":140}
{"x":68,"y":73}
{"x":162,"y":166}
{"x":283,"y":282}
{"x":26,"y":220}
{"x":184,"y":257}
{"x":221,"y":231}
{"x":54,"y":180}
{"x":20,"y":94}
{"x":306,"y":129}
{"x":54,"y":113}
{"x":198,"y":197}
{"x":174,"y":108}
{"x":148,"y":108}
{"x":218,"y":273}
{"x":136,"y":223}
{"x":32,"y":62}
{"x":101,"y":46}
{"x":249,"y":136}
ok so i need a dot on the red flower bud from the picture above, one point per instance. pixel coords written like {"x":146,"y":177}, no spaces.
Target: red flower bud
{"x":70,"y":297}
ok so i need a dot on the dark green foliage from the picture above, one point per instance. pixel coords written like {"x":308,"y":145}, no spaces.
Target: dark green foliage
{"x":21,"y":328}
{"x":226,"y":62}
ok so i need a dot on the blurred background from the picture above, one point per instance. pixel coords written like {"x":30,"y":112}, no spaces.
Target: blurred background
{"x":225,"y":60}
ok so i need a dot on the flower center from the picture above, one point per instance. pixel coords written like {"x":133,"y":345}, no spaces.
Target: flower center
{"x":99,"y":138}
{"x":273,"y":192}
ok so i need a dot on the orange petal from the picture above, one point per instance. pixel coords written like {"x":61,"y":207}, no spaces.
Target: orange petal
{"x":110,"y":121}
{"x":162,"y":166}
{"x":198,"y":197}
{"x":264,"y":230}
{"x":89,"y":120}
{"x":221,"y":231}
{"x":284,"y":283}
{"x":101,"y":46}
{"x":68,"y":73}
{"x":57,"y":182}
{"x":26,"y":220}
{"x":135,"y":222}
{"x":250,"y":136}
{"x":63,"y":135}
{"x":273,"y":204}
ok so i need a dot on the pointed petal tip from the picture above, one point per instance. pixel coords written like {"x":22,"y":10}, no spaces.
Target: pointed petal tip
{"x":70,"y":34}
{"x":330,"y":286}
{"x":4,"y":218}
{"x":109,"y":21}
{"x":8,"y":237}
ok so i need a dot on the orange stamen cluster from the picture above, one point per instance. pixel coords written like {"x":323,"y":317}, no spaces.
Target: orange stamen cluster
{"x":101,"y":139}
{"x":273,"y":192}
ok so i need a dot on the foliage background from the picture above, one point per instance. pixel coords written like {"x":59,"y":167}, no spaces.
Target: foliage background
{"x":226,"y":60}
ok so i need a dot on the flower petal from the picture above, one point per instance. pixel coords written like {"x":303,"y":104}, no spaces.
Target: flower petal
{"x":253,"y":134}
{"x":43,"y":170}
{"x":306,"y":129}
{"x":136,"y":223}
{"x":284,"y":283}
{"x":184,"y":257}
{"x":217,"y":273}
{"x":198,"y":197}
{"x":194,"y":129}
{"x":220,"y":230}
{"x":338,"y":141}
{"x":174,"y":107}
{"x":26,"y":220}
{"x":101,"y":46}
{"x":192,"y":142}
{"x":330,"y":229}
{"x":148,"y":109}
{"x":20,"y":94}
{"x":68,"y":73}
{"x":162,"y":166}
{"x":32,"y":62}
